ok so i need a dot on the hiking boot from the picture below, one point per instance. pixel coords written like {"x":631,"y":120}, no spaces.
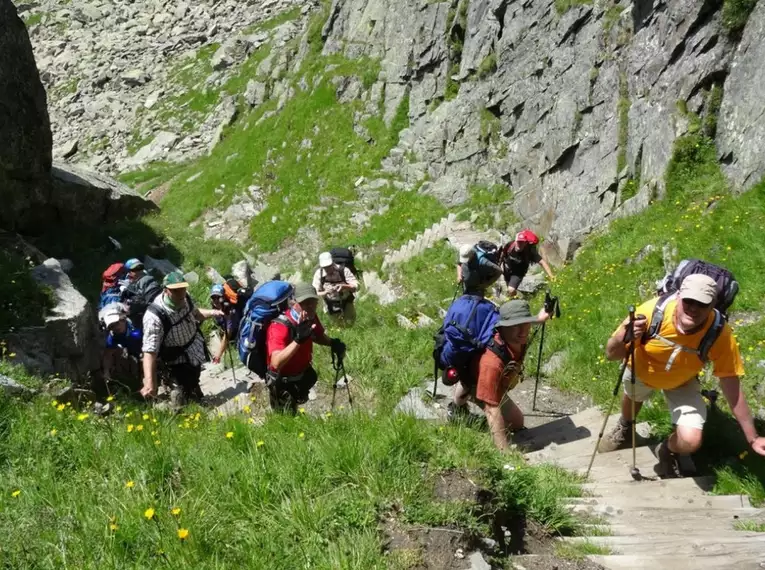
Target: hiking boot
{"x":618,"y":438}
{"x":455,"y":412}
{"x":669,"y":467}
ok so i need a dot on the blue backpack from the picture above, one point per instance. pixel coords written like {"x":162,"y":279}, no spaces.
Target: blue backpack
{"x":266,"y":303}
{"x":467,"y":330}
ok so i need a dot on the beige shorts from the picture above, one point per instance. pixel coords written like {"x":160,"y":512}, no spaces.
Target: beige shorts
{"x":685,"y":403}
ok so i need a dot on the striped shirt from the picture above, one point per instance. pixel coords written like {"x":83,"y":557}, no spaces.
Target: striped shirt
{"x":178,"y":335}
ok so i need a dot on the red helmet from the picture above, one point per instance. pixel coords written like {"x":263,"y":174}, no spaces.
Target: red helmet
{"x":527,"y":236}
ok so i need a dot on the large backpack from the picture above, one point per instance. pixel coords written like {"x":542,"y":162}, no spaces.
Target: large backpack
{"x":344,"y":257}
{"x":727,"y":289}
{"x":111,"y":290}
{"x":171,"y":353}
{"x":488,"y":250}
{"x":139,"y":295}
{"x":468,"y":329}
{"x":266,"y":303}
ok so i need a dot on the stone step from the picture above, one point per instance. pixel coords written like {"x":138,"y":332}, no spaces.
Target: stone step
{"x":561,"y":430}
{"x":653,"y":562}
{"x":698,"y":544}
{"x":687,"y":486}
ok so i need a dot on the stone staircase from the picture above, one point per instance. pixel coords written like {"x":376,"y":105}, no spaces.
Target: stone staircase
{"x":659,"y":524}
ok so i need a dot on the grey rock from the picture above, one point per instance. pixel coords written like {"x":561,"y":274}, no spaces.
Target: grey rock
{"x":413,"y":405}
{"x":449,"y":190}
{"x":67,"y":150}
{"x":214,"y":276}
{"x":192,"y":277}
{"x":134,"y":77}
{"x":152,"y":99}
{"x":741,"y":124}
{"x":263,"y":272}
{"x":532,"y":283}
{"x":477,"y":562}
{"x":160,"y":266}
{"x":68,"y":343}
{"x":405,"y":323}
{"x":241,"y":271}
{"x":554,"y":363}
{"x":13,"y":388}
{"x":180,"y":10}
{"x":232,"y":51}
{"x":157,"y":149}
{"x":26,"y":153}
{"x":255,"y":93}
{"x":66,"y":265}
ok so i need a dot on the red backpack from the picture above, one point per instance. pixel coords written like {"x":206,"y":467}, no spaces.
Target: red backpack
{"x":112,"y":275}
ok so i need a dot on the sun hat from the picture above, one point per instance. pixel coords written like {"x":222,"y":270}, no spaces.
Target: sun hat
{"x":515,"y":312}
{"x":216,"y":290}
{"x":174,"y":280}
{"x":304,"y":291}
{"x":698,"y":287}
{"x":466,"y":253}
{"x":527,"y":236}
{"x":325,"y":259}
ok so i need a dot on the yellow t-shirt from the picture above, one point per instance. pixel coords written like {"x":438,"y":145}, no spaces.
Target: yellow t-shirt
{"x":652,"y":357}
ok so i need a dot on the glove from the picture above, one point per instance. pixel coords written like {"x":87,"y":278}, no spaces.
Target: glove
{"x":303,"y":332}
{"x":337,"y":347}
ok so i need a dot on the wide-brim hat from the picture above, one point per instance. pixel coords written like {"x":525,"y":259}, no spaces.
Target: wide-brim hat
{"x":305,"y":291}
{"x":515,"y":312}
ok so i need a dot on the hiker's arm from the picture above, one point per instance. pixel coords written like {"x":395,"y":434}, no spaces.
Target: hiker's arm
{"x":317,"y":284}
{"x":546,"y":267}
{"x":734,"y":393}
{"x":497,"y":426}
{"x":616,"y":348}
{"x":281,"y":357}
{"x":351,"y":283}
{"x":149,"y":374}
{"x":203,"y":314}
{"x":322,"y":339}
{"x":222,"y":349}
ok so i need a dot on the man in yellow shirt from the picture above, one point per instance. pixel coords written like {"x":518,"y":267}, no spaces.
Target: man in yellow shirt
{"x":669,"y":359}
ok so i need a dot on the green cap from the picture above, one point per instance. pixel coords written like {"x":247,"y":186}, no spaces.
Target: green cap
{"x":174,"y":280}
{"x":305,"y":291}
{"x":515,"y":312}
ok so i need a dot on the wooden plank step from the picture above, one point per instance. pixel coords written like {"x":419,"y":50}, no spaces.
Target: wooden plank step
{"x":706,"y":544}
{"x":562,"y":430}
{"x":651,"y":562}
{"x":691,"y":486}
{"x":631,"y":505}
{"x":621,"y":459}
{"x":692,"y":524}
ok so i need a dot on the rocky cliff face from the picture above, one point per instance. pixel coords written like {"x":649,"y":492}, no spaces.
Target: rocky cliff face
{"x":33,"y":191}
{"x":573,"y":111}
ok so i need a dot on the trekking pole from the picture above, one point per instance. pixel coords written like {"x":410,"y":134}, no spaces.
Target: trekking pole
{"x":634,"y":472}
{"x":627,"y":334}
{"x":231,"y":360}
{"x":339,"y":366}
{"x":539,"y":366}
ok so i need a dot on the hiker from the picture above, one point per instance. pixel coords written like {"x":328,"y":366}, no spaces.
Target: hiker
{"x":670,"y":362}
{"x":113,"y":282}
{"x":228,"y":323}
{"x":122,"y":339}
{"x":516,"y":258}
{"x":141,"y":290}
{"x":477,"y":269}
{"x":496,"y":370}
{"x":336,"y":284}
{"x":171,"y":333}
{"x":289,"y":350}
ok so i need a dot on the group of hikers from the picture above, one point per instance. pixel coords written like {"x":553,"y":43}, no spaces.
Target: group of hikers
{"x":154,"y":329}
{"x":480,"y":348}
{"x":664,"y":345}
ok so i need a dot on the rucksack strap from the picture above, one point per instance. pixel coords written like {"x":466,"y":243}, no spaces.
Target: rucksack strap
{"x":471,"y":334}
{"x":323,"y":275}
{"x":711,"y":336}
{"x":656,"y":319}
{"x":167,"y":324}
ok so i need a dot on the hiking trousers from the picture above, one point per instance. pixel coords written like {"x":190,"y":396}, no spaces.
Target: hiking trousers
{"x":187,"y":377}
{"x":285,"y":393}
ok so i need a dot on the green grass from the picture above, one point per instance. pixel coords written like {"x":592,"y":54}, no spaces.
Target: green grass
{"x":23,"y":302}
{"x":275,"y":22}
{"x":749,"y":526}
{"x":735,"y":14}
{"x":489,"y":207}
{"x":623,"y":112}
{"x":563,"y":6}
{"x":246,"y":495}
{"x":611,"y":17}
{"x":487,"y":66}
{"x":33,"y":19}
{"x":580,"y":550}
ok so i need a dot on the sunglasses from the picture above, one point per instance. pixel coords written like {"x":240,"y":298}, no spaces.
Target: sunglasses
{"x":696,"y":304}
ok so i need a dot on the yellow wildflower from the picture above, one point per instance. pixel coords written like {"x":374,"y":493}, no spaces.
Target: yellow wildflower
{"x":60,"y":407}
{"x":130,"y":427}
{"x":149,"y":513}
{"x":53,"y":432}
{"x":130,"y":484}
{"x":229,"y":434}
{"x":82,"y":417}
{"x":176,"y":511}
{"x":54,"y":403}
{"x":113,"y":526}
{"x":146,"y":416}
{"x":110,"y":399}
{"x":247,"y":409}
{"x":183,"y":533}
{"x":16,"y":493}
{"x":260,"y":443}
{"x":301,"y":435}
{"x":139,"y":427}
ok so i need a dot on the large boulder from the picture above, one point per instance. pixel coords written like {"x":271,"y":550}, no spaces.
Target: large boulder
{"x":26,"y":142}
{"x":741,"y":125}
{"x":69,"y":342}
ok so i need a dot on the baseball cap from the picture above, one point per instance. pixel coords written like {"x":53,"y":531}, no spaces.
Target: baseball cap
{"x":527,"y":236}
{"x":698,"y":287}
{"x":216,"y":291}
{"x":111,"y":318}
{"x":466,"y":253}
{"x":515,"y":312}
{"x":325,"y":259}
{"x":174,"y":280}
{"x":304,"y":291}
{"x":133,"y":264}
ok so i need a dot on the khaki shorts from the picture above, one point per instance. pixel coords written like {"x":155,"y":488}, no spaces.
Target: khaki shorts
{"x":685,"y":403}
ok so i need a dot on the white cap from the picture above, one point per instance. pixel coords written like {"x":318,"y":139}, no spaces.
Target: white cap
{"x":325,"y":259}
{"x":111,"y":318}
{"x":466,"y":253}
